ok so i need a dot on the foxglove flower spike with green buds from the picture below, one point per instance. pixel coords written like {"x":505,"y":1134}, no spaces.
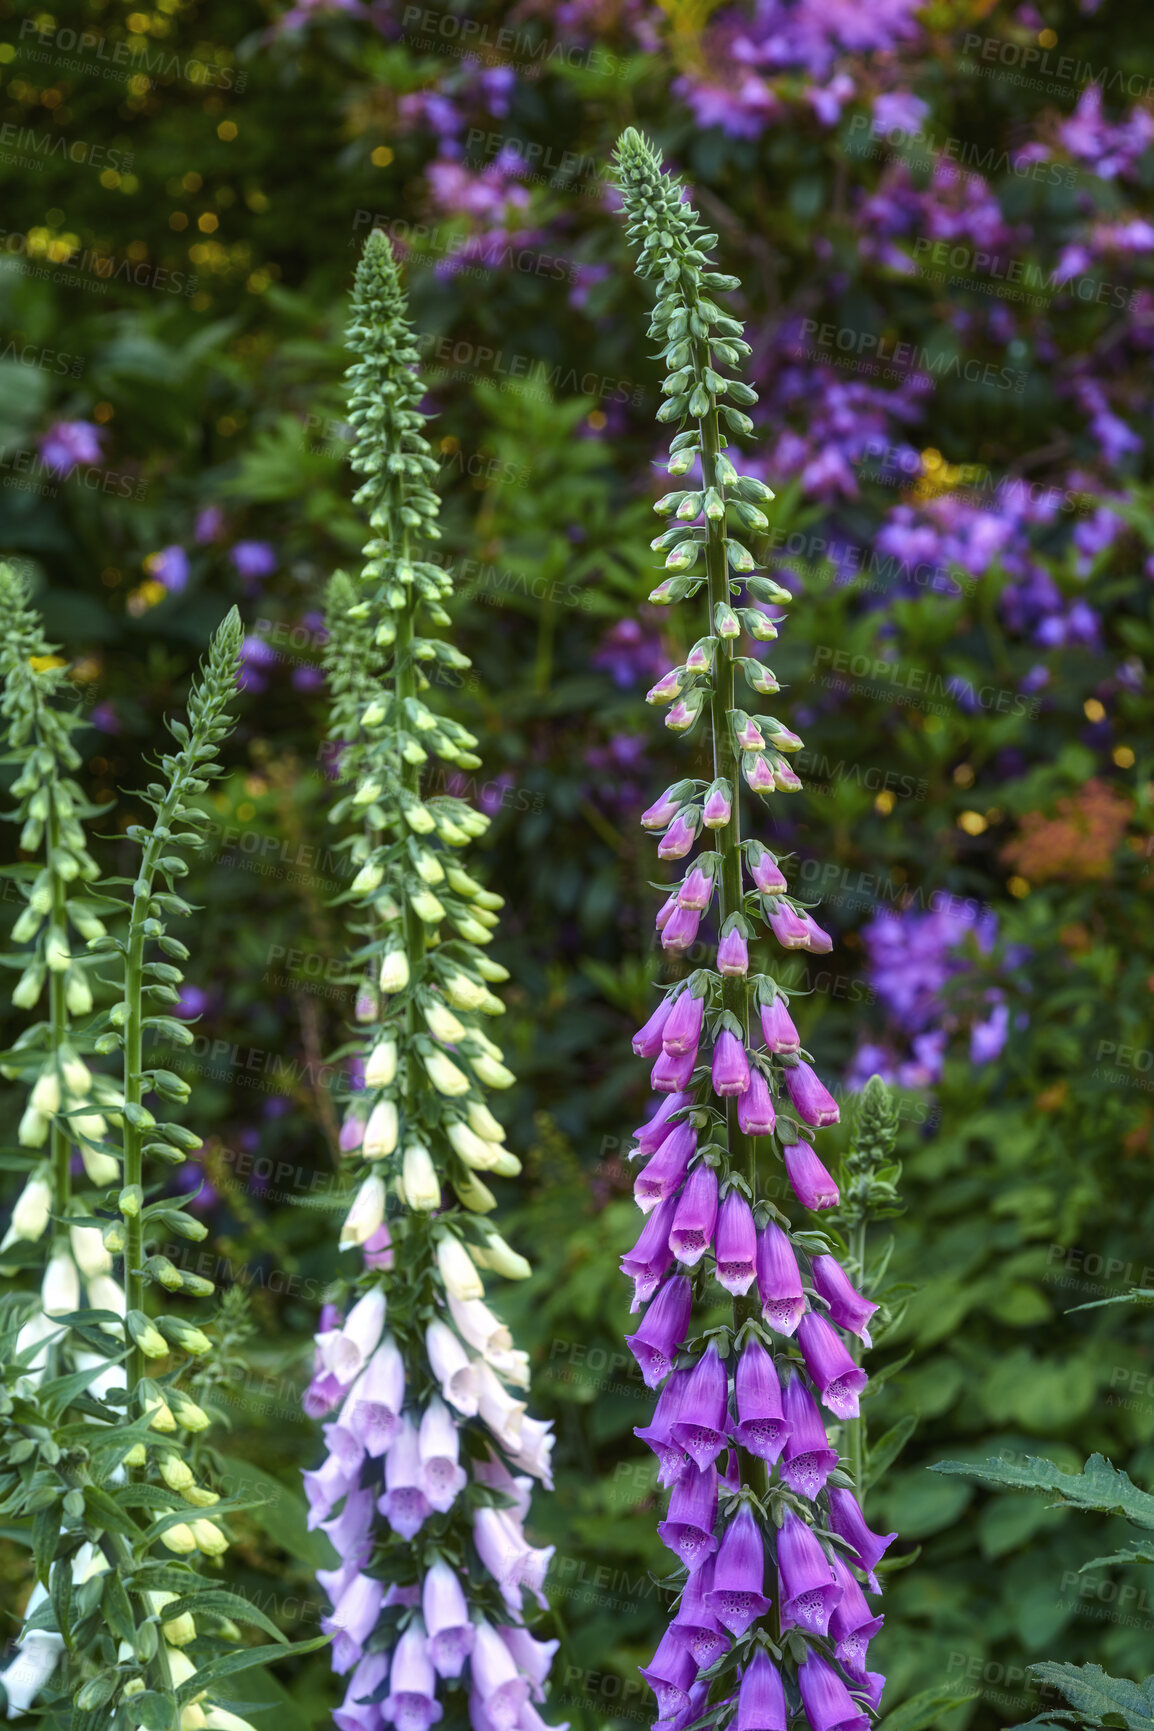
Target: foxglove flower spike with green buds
{"x":431,"y":1447}
{"x":739,"y":1429}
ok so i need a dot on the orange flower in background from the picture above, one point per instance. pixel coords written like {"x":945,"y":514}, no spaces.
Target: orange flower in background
{"x":1078,"y":842}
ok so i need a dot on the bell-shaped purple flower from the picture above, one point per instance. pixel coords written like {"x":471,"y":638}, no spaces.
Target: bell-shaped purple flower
{"x":730,"y":1065}
{"x":853,"y":1624}
{"x":683,"y":1029}
{"x":358,"y":1712}
{"x":651,"y":1257}
{"x":533,"y":1657}
{"x":696,"y":1216}
{"x":670,"y":1673}
{"x":661,"y":812}
{"x":736,"y":1597}
{"x":680,"y":930}
{"x":439,"y":1443}
{"x":848,"y":1522}
{"x":809,"y":1180}
{"x":818,"y":941}
{"x":702,"y":1425}
{"x":696,"y":1623}
{"x":353,"y":1620}
{"x":733,"y":954}
{"x":809,"y":1591}
{"x":718,"y":807}
{"x":761,"y":1697}
{"x":761,"y":1426}
{"x":376,"y":1398}
{"x":812,"y":1100}
{"x":658,"y":1433}
{"x":326,"y":1486}
{"x":687,"y":1530}
{"x":350,"y":1532}
{"x":779,"y":1280}
{"x":809,"y":1459}
{"x":777,"y":1029}
{"x":681,"y":834}
{"x":672,"y":1072}
{"x":847,"y":1307}
{"x":786,"y":927}
{"x":665,"y":1172}
{"x":764,"y":870}
{"x":446,"y":1612}
{"x":697,"y":890}
{"x":665,"y":912}
{"x":405,"y":1505}
{"x":502,"y":1689}
{"x":650,"y":1135}
{"x":662,"y":1330}
{"x":735,"y":1247}
{"x":755,"y":1113}
{"x":839,"y":1380}
{"x":827,"y":1702}
{"x":647,"y":1039}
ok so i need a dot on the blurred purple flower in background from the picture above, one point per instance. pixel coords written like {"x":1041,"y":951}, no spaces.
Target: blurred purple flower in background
{"x":253,"y":560}
{"x":169,"y":568}
{"x":69,"y":443}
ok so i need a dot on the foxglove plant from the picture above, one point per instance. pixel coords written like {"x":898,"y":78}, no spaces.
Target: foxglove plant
{"x":763,"y":1515}
{"x":100,"y":1451}
{"x":431,"y":1450}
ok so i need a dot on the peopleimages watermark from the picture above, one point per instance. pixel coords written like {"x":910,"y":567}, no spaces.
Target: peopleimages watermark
{"x":44,"y":360}
{"x":487,"y":252}
{"x":1113,"y":1061}
{"x":1013,"y":278}
{"x":958,"y":154}
{"x":27,"y":472}
{"x":1031,"y":66}
{"x":862,"y":566}
{"x":870,"y":353}
{"x":900,"y":683}
{"x":130,"y":57}
{"x":540,"y":164}
{"x":450,"y":33}
{"x":106,"y":267}
{"x":46,"y":144}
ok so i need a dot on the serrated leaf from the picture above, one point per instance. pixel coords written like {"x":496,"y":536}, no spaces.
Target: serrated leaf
{"x":1100,"y":1485}
{"x":1098,"y":1696}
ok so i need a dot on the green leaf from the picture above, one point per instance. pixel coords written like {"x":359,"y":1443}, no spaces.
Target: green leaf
{"x":225,"y":1604}
{"x":152,"y":1712}
{"x":1135,"y":1554}
{"x":45,"y":1532}
{"x":115,"y":1607}
{"x":886,"y":1450}
{"x":924,"y":1709}
{"x":282,"y":1513}
{"x":231,"y":1663}
{"x":1097,"y":1695}
{"x":1100,"y":1486}
{"x":1136,"y":1295}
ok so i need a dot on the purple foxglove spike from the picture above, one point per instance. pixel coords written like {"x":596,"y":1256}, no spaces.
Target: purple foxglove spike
{"x":777,"y":1029}
{"x":669,"y":1674}
{"x":662,"y":1330}
{"x":658,"y":1433}
{"x":680,"y":930}
{"x":502,"y":1688}
{"x":446,"y":1612}
{"x":681,"y":834}
{"x":696,"y":1622}
{"x":847,"y":1307}
{"x":827,"y":1702}
{"x":718,"y":808}
{"x":786,"y":927}
{"x":671,"y":1075}
{"x":736,"y":1245}
{"x":733,"y":955}
{"x":853,"y":1624}
{"x":666,"y":911}
{"x":736,"y":1597}
{"x":650,"y":1135}
{"x":647,"y":1040}
{"x":809,"y":1180}
{"x":730,"y":1065}
{"x":662,"y":811}
{"x":761,"y":1697}
{"x":758,"y":773}
{"x":404,"y":1504}
{"x":411,"y":1701}
{"x":779,"y":1280}
{"x":357,"y":1712}
{"x":353,"y":1621}
{"x":809,"y":1460}
{"x":532,"y":1657}
{"x":683,"y":1029}
{"x":749,"y":736}
{"x":702,"y":1425}
{"x":377,"y":1249}
{"x":439,"y":1441}
{"x":812,"y":1100}
{"x":848,"y":1522}
{"x":818,"y":941}
{"x":651,"y":1257}
{"x":665,"y":1171}
{"x":352,"y":1133}
{"x":325,"y":1487}
{"x":839,"y":1380}
{"x":351,"y":1532}
{"x":808,"y":1589}
{"x":687,"y":1530}
{"x":697,"y":890}
{"x":761,"y":1426}
{"x":667,"y":688}
{"x":696,"y":1217}
{"x":765,"y":871}
{"x":755,"y":1113}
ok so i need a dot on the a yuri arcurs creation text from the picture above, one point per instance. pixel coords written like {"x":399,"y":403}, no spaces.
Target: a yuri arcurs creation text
{"x":431,"y":1451}
{"x":750,"y":1326}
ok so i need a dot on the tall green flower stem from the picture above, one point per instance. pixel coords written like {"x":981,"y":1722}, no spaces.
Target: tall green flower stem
{"x":425,"y":1486}
{"x":121,"y":1629}
{"x":770,"y":1610}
